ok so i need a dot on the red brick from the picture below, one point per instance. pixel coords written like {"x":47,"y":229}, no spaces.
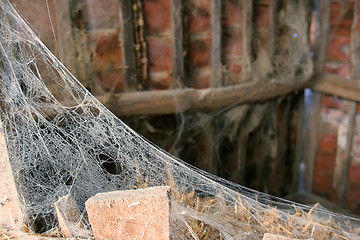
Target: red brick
{"x":341,"y":69}
{"x":331,"y":102}
{"x":234,"y":67}
{"x":201,"y":78}
{"x":157,"y":16}
{"x":328,"y":144}
{"x":160,"y":53}
{"x":108,"y":50}
{"x":161,"y":80}
{"x":233,"y":44}
{"x":339,"y":49}
{"x":233,"y":13}
{"x":262,"y":13}
{"x":199,"y":19}
{"x":102,"y":14}
{"x":112,"y":81}
{"x":326,"y":162}
{"x":200,"y":52}
{"x":341,"y":19}
{"x":354,"y":174}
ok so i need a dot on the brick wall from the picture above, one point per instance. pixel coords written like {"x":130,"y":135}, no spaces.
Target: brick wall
{"x":334,"y":115}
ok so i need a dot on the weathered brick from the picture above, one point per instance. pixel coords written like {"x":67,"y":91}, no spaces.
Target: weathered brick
{"x":201,"y":78}
{"x":101,"y":14}
{"x":338,"y":68}
{"x":262,"y":13}
{"x":200,"y":51}
{"x":130,"y":214}
{"x":328,"y":144}
{"x":234,"y":67}
{"x":160,"y":52}
{"x":108,"y":51}
{"x":233,"y":44}
{"x":331,"y":102}
{"x":233,"y":13}
{"x":199,"y":19}
{"x":112,"y":81}
{"x":341,"y":19}
{"x":157,"y":15}
{"x":339,"y":49}
{"x":161,"y":80}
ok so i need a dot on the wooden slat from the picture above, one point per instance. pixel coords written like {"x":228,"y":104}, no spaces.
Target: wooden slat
{"x":177,"y":28}
{"x":311,"y":137}
{"x":65,"y":38}
{"x":216,"y":9}
{"x":247,"y":37}
{"x":127,"y":26}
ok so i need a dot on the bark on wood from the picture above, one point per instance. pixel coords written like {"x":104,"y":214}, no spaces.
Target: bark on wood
{"x":338,"y":86}
{"x":189,"y":99}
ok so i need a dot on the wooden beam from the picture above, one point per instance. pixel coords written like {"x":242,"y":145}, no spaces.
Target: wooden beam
{"x":338,"y":86}
{"x":190,"y":99}
{"x":216,"y":9}
{"x":127,"y":25}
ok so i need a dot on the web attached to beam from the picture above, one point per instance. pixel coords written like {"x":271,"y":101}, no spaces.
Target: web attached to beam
{"x":61,"y":140}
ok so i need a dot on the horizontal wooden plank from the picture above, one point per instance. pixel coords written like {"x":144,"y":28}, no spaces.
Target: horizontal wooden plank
{"x":338,"y":86}
{"x":189,"y":99}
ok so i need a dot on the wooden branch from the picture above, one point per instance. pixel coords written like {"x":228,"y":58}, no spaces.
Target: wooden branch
{"x":338,"y":86}
{"x":189,"y":99}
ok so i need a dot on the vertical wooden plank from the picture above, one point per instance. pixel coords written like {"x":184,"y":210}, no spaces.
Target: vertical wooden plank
{"x":127,"y":26}
{"x":342,"y":167}
{"x":216,"y":9}
{"x":80,"y":40}
{"x":311,"y":140}
{"x":178,"y":37}
{"x":64,"y":35}
{"x":247,"y":38}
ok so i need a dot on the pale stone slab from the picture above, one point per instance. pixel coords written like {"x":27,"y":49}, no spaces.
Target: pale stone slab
{"x":69,"y":218}
{"x":130,"y":214}
{"x":11,"y":215}
{"x":269,"y":236}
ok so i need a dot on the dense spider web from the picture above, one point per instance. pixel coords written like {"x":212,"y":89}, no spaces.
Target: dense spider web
{"x":61,"y":141}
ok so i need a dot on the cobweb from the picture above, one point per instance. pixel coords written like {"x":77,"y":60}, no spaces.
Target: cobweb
{"x":62,"y":141}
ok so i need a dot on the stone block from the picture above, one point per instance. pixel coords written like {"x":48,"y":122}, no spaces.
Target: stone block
{"x":69,"y":218}
{"x":11,"y":215}
{"x":130,"y":214}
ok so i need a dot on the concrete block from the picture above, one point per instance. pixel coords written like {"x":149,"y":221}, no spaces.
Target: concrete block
{"x":130,"y":214}
{"x":269,"y":236}
{"x":69,"y":218}
{"x":11,"y":215}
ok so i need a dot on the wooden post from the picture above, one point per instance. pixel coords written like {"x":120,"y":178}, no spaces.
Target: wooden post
{"x":216,"y":76}
{"x":178,"y":38}
{"x":11,"y":215}
{"x":127,"y":26}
